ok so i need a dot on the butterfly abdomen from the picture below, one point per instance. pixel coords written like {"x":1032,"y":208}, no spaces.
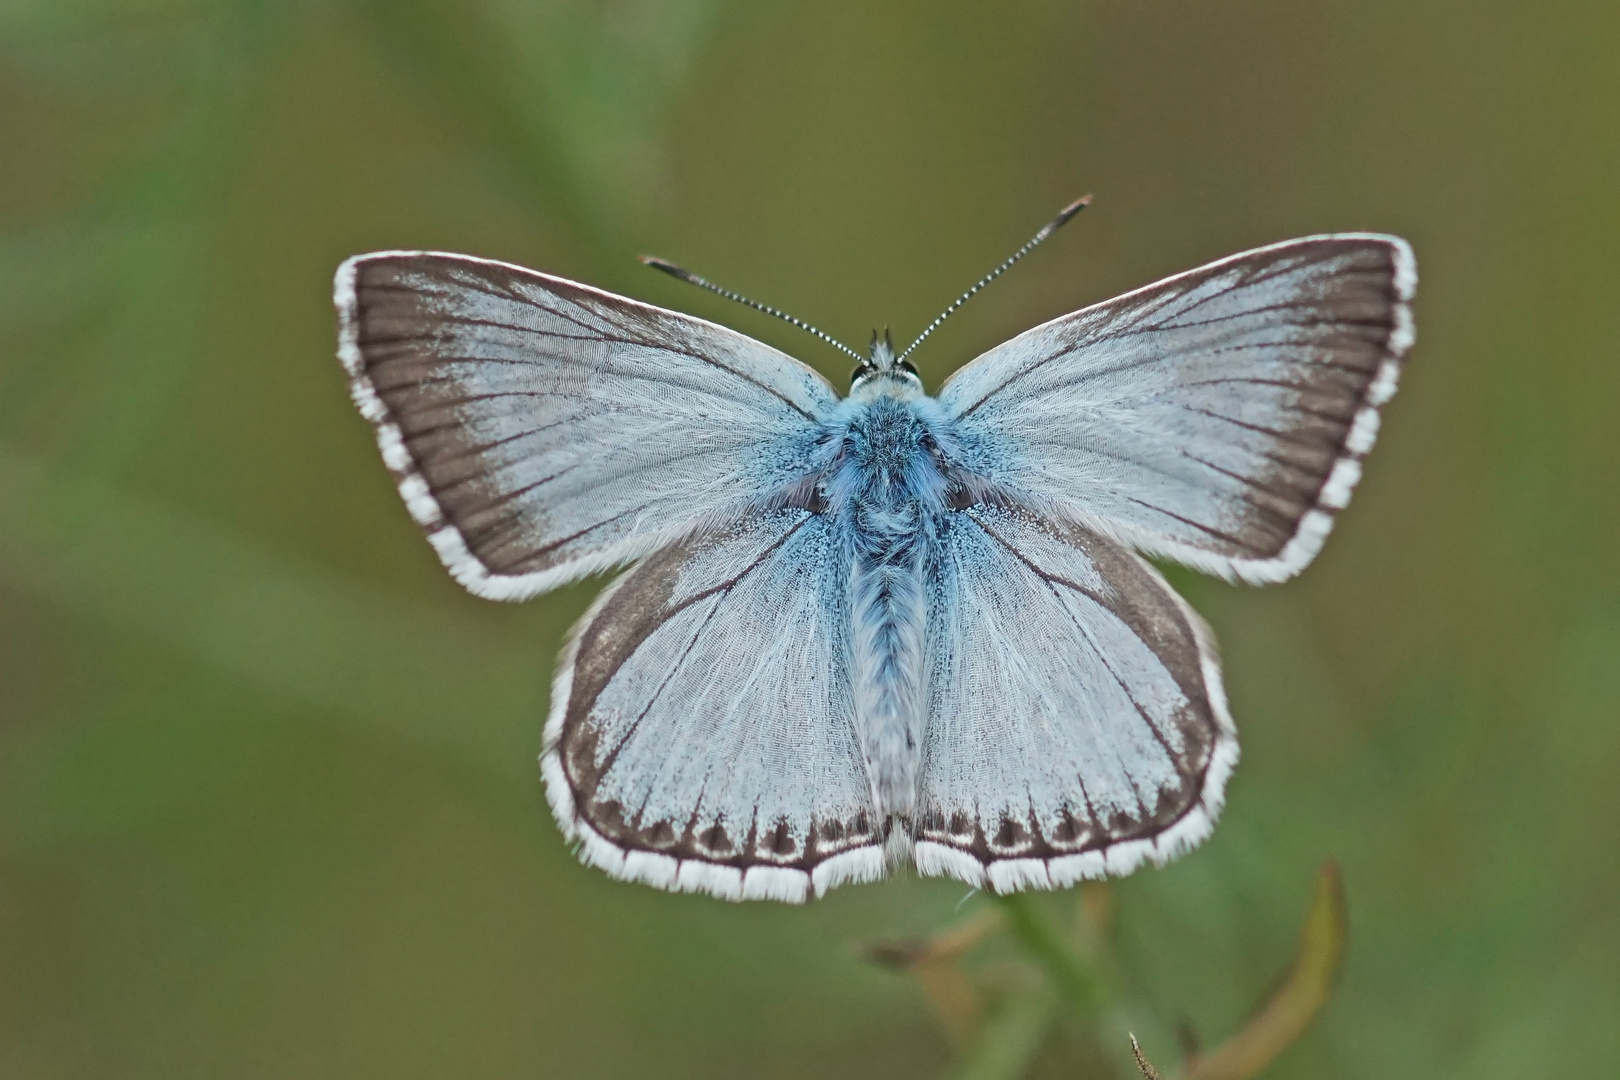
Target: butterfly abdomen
{"x":886,"y":616}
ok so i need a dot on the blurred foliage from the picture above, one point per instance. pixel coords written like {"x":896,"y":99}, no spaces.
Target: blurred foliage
{"x":998,"y":1018}
{"x":267,"y":793}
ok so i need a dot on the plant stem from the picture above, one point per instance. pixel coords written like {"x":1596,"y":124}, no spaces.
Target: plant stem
{"x":1073,"y":976}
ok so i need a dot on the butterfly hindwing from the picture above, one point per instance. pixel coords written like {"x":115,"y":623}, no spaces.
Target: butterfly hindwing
{"x":702,"y":729}
{"x":1218,"y":417}
{"x":540,"y":430}
{"x":1077,"y":720}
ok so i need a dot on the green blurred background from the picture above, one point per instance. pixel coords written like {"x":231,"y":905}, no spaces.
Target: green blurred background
{"x":268,"y":804}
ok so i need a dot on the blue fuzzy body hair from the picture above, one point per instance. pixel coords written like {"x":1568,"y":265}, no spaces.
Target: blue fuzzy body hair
{"x":885,"y":485}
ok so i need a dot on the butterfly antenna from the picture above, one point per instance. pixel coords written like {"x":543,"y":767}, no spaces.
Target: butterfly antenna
{"x":1046,"y":230}
{"x":686,"y":275}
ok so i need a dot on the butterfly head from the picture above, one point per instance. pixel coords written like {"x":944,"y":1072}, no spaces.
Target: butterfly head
{"x":882,"y":364}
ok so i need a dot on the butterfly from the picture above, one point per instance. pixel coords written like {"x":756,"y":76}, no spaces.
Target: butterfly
{"x":888,"y":628}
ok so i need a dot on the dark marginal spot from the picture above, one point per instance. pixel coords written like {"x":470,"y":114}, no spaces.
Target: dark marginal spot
{"x":608,"y":816}
{"x":1171,"y":803}
{"x":715,"y":839}
{"x":1121,"y":824}
{"x":1010,"y":833}
{"x":961,"y":824}
{"x":781,"y":840}
{"x":832,"y":830}
{"x":661,"y":834}
{"x":1068,"y":830}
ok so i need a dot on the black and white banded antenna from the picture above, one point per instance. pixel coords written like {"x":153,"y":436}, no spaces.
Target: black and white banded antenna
{"x":686,"y":275}
{"x":1046,"y":230}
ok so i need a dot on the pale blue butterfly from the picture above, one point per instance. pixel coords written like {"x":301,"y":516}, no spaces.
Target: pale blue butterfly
{"x":889,"y":628}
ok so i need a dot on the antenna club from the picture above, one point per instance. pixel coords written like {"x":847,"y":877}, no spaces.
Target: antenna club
{"x":1063,"y":217}
{"x":666,"y":266}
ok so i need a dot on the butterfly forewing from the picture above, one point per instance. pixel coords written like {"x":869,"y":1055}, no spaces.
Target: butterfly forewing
{"x":1077,"y":721}
{"x":1218,"y":417}
{"x":541,"y":430}
{"x":702,"y":729}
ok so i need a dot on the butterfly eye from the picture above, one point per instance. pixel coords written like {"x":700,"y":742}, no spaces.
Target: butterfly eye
{"x":928,"y":442}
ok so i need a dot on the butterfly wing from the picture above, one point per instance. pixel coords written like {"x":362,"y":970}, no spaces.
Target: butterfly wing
{"x":1218,"y":418}
{"x":540,"y":430}
{"x":1077,"y":719}
{"x":702,"y":731}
